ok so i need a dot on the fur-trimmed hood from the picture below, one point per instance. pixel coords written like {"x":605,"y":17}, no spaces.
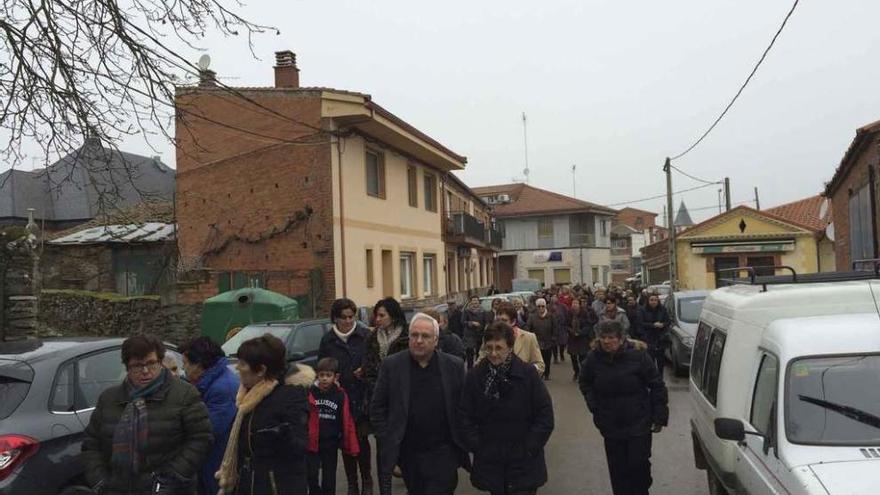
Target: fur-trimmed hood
{"x":300,"y":375}
{"x":630,"y":343}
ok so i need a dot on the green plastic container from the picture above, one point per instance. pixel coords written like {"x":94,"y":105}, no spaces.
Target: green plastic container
{"x":224,"y":314}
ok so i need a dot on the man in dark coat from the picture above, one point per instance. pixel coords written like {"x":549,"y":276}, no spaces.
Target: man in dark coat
{"x":628,"y":401}
{"x":347,"y":343}
{"x":414,"y":414}
{"x":454,"y":318}
{"x":543,"y":324}
{"x":151,"y":433}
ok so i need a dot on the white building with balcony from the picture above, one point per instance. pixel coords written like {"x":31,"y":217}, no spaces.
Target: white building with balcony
{"x":549,"y":237}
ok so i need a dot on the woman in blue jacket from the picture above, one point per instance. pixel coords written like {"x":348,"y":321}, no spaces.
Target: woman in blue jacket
{"x":207,"y":368}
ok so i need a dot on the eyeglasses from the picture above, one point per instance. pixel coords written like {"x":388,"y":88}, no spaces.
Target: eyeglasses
{"x":144,"y":367}
{"x":421,"y":336}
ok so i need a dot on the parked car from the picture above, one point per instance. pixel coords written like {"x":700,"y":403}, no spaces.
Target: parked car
{"x":684,"y":313}
{"x":522,"y":294}
{"x":784,"y":384}
{"x":301,"y":338}
{"x":48,"y":390}
{"x":661,"y":290}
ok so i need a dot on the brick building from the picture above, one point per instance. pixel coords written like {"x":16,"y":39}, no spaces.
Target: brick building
{"x":312,"y":192}
{"x":853,"y":193}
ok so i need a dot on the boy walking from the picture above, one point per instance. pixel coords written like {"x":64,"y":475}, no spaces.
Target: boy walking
{"x":331,"y":426}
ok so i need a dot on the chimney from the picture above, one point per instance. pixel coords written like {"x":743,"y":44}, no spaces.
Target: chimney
{"x":207,"y":78}
{"x":286,"y":72}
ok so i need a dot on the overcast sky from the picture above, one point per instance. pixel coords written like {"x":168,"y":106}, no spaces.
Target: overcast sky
{"x":611,"y":86}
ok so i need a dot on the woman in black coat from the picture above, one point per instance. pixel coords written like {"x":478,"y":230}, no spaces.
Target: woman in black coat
{"x":628,"y":401}
{"x":506,"y":418}
{"x":266,"y":452}
{"x":583,"y":320}
{"x":653,"y":327}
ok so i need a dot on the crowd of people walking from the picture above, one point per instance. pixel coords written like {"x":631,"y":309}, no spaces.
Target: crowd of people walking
{"x":446,"y":390}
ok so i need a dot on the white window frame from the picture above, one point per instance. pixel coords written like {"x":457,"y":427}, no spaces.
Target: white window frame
{"x":407,"y":275}
{"x":429,"y":262}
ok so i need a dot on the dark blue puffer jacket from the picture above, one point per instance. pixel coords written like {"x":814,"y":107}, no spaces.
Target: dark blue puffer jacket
{"x":218,"y":386}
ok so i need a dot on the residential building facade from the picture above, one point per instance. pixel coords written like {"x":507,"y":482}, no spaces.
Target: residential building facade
{"x":632,"y":230}
{"x":741,"y":237}
{"x":853,"y":191}
{"x":312,"y":192}
{"x":472,"y":239}
{"x":549,"y":237}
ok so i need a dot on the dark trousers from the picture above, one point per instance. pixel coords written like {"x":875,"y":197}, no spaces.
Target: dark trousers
{"x":547,"y":354}
{"x":575,"y":364}
{"x":656,"y":354}
{"x":562,"y":353}
{"x":322,"y":469}
{"x":526,"y":492}
{"x":469,"y":354}
{"x":433,"y":472}
{"x":629,"y":464}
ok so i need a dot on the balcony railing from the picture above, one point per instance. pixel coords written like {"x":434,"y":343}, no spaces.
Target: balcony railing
{"x":583,"y":240}
{"x":468,"y":226}
{"x":494,"y":238}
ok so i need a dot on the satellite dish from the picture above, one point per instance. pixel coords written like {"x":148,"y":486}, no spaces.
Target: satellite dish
{"x":204,"y":62}
{"x":829,"y":232}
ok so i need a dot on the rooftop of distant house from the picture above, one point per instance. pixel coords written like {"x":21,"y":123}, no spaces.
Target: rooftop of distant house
{"x":525,"y":200}
{"x":814,"y":212}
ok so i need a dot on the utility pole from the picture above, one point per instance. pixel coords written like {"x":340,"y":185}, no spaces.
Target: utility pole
{"x":665,"y":223}
{"x":673,"y":261}
{"x":720,"y":207}
{"x":573,"y":177}
{"x":757,"y":201}
{"x":727,"y":193}
{"x":526,"y":147}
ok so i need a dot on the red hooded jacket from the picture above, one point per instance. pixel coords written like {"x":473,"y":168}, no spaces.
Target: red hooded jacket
{"x":350,"y":445}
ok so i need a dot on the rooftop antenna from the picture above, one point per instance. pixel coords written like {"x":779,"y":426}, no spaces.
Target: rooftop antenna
{"x":573,"y":177}
{"x":526,"y":146}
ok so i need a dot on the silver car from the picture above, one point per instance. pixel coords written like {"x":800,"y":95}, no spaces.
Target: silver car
{"x":684,"y":314}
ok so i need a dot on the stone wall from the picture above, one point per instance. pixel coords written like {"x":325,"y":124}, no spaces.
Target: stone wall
{"x":18,"y":288}
{"x":81,"y":313}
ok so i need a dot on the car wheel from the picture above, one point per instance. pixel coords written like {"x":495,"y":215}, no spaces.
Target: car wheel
{"x":679,"y":370}
{"x":76,"y":490}
{"x":715,"y":486}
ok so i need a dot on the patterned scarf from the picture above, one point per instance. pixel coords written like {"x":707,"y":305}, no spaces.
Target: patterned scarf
{"x":385,"y":338}
{"x":133,"y":429}
{"x":247,"y":401}
{"x":497,"y":378}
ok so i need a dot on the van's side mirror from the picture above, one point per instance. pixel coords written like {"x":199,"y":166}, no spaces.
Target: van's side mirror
{"x":730,"y":429}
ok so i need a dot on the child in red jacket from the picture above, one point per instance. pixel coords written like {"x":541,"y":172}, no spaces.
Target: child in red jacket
{"x":331,"y":426}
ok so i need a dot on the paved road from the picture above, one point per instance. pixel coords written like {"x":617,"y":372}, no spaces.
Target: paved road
{"x":575,"y":453}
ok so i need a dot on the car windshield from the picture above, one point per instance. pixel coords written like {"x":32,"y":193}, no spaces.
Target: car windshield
{"x":231,"y":346}
{"x":689,"y":309}
{"x":661,"y":289}
{"x":834,"y":400}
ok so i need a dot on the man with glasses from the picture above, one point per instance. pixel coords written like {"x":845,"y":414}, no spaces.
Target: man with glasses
{"x":414,"y":413}
{"x":151,"y":433}
{"x":543,"y":324}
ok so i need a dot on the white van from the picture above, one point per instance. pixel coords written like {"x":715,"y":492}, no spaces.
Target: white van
{"x":785,"y":381}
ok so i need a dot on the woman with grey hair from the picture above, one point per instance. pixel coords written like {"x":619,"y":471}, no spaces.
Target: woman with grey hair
{"x":629,"y":403}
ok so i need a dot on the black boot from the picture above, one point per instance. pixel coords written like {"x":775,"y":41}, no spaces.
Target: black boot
{"x":351,"y":474}
{"x":365,"y":464}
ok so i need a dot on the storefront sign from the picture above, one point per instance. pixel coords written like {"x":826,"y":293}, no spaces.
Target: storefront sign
{"x":547,"y":256}
{"x":743,"y":248}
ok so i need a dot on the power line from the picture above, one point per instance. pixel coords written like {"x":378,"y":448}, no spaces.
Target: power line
{"x":663,"y":195}
{"x":682,"y":172}
{"x":715,"y":207}
{"x":743,"y":87}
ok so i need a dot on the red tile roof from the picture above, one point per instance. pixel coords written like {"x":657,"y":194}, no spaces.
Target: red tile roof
{"x":807,"y":211}
{"x":628,"y":208}
{"x":530,"y":200}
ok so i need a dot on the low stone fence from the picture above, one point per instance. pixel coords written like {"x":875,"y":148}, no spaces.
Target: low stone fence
{"x":82,"y":313}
